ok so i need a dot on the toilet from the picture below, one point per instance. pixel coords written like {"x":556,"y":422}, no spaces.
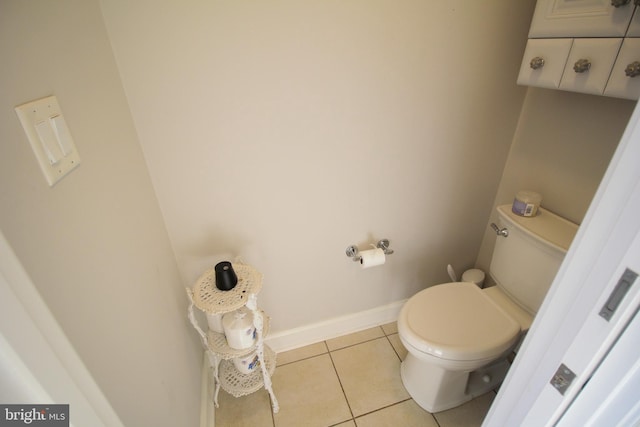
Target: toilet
{"x":458,"y":336}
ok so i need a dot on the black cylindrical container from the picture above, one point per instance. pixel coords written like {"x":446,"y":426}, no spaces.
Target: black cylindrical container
{"x":226,"y":278}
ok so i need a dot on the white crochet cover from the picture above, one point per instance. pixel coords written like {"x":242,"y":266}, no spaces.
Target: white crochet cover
{"x":238,"y":384}
{"x":208,"y":298}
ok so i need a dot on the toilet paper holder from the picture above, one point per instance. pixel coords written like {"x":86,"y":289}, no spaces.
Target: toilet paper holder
{"x":353,"y":252}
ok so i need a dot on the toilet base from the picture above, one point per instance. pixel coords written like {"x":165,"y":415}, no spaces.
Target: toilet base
{"x":436,"y":389}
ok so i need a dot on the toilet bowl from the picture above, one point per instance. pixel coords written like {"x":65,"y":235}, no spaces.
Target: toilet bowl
{"x":451,"y":331}
{"x":458,"y":336}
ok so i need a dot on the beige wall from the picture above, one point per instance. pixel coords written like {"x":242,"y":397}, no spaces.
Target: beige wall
{"x":280,"y":132}
{"x":284,"y":131}
{"x":95,"y":244}
{"x":561,"y":149}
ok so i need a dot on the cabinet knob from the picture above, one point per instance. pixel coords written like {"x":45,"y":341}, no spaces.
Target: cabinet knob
{"x":618,"y":3}
{"x":538,"y":62}
{"x":582,"y":65}
{"x":633,"y":69}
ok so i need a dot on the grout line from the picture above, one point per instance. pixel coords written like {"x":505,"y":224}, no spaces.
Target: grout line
{"x":384,"y":407}
{"x":342,"y":422}
{"x":355,"y":344}
{"x":394,"y":404}
{"x":385,"y":332}
{"x":300,"y":360}
{"x":338,"y":349}
{"x":341,"y":386}
{"x":360,"y":342}
{"x":394,"y":349}
{"x":326,"y":350}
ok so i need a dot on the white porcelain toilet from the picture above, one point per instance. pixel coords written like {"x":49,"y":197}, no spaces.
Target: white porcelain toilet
{"x":458,"y":336}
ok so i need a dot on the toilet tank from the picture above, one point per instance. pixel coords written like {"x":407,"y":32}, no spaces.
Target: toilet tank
{"x":525,"y":263}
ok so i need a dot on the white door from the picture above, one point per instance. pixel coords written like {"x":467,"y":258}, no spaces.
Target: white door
{"x":38,"y":365}
{"x":597,"y":358}
{"x":612,"y":395}
{"x":568,"y":329}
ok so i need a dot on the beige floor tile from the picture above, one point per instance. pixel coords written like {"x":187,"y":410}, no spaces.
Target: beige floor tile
{"x":405,"y":414}
{"x":401,"y":351}
{"x":246,"y":411}
{"x":301,"y":353}
{"x":355,"y":338}
{"x":309,"y":394}
{"x":349,"y":423}
{"x":370,"y":375}
{"x":470,"y":414}
{"x":390,"y":328}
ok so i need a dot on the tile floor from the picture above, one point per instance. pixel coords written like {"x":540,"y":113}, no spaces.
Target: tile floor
{"x":350,"y":381}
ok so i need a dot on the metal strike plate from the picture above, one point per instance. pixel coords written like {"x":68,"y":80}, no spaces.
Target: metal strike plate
{"x":562,"y":379}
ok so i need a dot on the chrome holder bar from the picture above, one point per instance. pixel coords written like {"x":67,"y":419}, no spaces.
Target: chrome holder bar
{"x":353,"y":252}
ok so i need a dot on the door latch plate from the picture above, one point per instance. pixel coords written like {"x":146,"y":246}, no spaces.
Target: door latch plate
{"x":617,"y":295}
{"x":562,"y":379}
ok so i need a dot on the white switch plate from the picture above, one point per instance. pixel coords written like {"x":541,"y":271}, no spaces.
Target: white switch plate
{"x":49,"y":136}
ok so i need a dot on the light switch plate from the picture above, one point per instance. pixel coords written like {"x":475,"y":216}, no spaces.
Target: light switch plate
{"x":49,"y":137}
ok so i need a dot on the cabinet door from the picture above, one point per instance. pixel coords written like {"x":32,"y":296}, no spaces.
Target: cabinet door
{"x":598,"y":56}
{"x":543,"y":62}
{"x":634,"y":27}
{"x":580,"y":18}
{"x":620,"y":84}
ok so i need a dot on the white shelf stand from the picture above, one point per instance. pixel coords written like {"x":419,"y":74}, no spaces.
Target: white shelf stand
{"x":209,"y":299}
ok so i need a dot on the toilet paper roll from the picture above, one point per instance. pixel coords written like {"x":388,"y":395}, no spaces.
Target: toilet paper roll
{"x":247,"y":364}
{"x":239,"y":329}
{"x":372,"y":257}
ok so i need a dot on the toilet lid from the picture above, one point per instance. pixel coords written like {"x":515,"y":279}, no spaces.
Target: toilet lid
{"x":456,"y":321}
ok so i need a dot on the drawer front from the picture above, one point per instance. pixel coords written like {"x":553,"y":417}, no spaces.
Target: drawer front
{"x":580,"y":18}
{"x":543,"y":62}
{"x":620,"y":85}
{"x":634,"y":27}
{"x":600,"y":54}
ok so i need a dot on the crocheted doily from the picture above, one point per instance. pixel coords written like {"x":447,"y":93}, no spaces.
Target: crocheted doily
{"x":218,"y":342}
{"x":238,"y":384}
{"x":208,"y":298}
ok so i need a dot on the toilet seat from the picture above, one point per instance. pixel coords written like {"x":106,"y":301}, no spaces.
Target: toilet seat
{"x":456,"y":321}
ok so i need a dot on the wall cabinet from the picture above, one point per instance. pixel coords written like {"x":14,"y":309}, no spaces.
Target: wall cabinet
{"x":586,"y":46}
{"x":580,"y":18}
{"x":634,"y":26}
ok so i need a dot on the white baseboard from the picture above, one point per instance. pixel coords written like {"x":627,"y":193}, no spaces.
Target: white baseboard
{"x":332,"y":328}
{"x":207,"y":407}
